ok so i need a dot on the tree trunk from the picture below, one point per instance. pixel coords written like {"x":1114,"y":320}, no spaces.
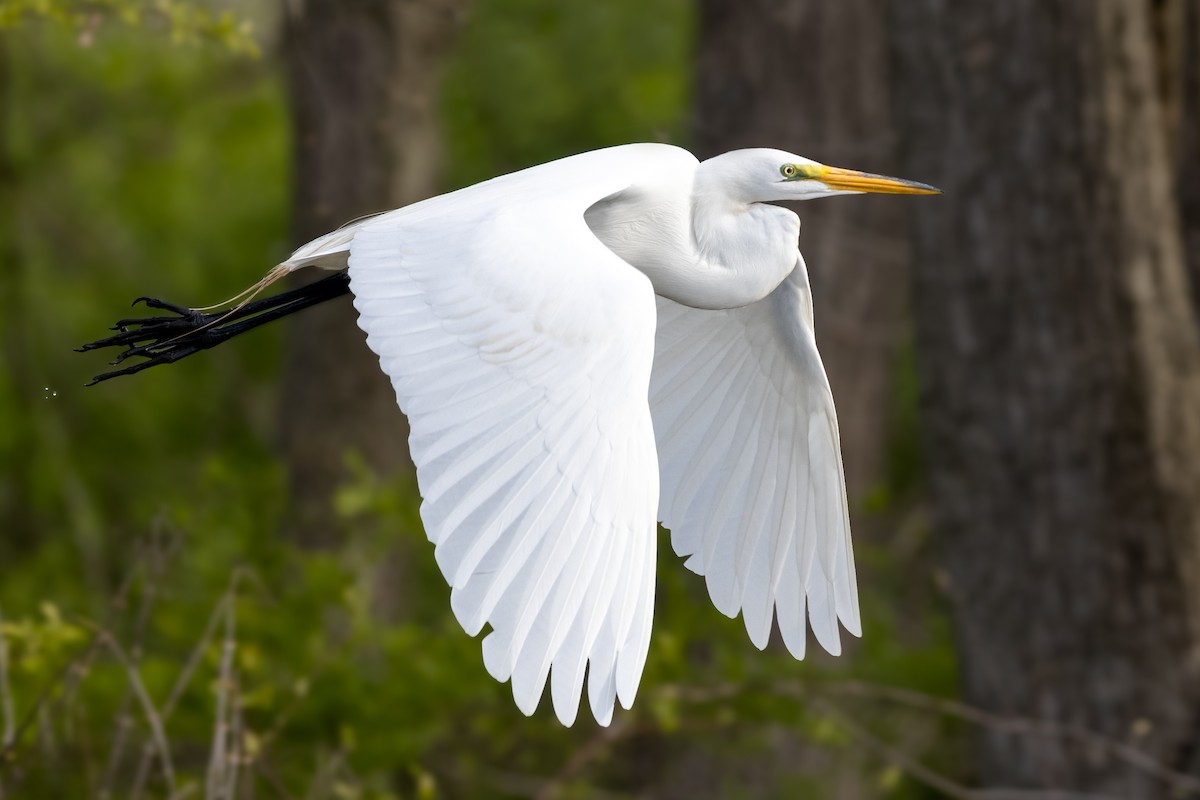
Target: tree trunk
{"x":1061,"y":378}
{"x":1187,"y":149}
{"x":364,"y":82}
{"x":16,"y":491}
{"x":827,"y":100}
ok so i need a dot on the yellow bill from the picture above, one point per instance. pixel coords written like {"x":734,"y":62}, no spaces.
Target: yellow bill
{"x":851,"y":180}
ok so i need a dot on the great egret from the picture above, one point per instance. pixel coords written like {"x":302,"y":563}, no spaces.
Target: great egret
{"x":584,"y":348}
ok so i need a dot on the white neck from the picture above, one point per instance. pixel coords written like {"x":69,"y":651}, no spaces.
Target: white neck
{"x":700,"y":247}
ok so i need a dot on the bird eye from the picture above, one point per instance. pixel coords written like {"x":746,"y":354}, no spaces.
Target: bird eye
{"x":788,"y":170}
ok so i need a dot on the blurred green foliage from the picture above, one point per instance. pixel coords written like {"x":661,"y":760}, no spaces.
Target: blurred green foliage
{"x":184,"y":22}
{"x":535,"y":80}
{"x":140,"y":516}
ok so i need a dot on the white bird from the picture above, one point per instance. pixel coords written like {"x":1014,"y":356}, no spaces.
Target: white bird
{"x":583,"y":349}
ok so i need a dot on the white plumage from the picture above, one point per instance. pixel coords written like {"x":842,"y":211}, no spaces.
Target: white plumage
{"x":551,"y":395}
{"x":751,"y":468}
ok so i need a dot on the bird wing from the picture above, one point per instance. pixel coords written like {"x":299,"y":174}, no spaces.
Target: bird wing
{"x":520,"y":348}
{"x":751,"y":469}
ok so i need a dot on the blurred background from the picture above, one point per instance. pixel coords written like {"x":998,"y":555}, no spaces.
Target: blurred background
{"x":213,"y":579}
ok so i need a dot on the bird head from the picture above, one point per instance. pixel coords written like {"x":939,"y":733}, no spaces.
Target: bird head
{"x":761,"y":175}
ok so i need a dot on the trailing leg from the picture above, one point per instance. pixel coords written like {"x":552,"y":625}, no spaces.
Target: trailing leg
{"x":167,"y":339}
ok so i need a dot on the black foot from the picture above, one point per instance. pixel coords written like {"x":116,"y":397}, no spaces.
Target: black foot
{"x":166,"y":339}
{"x":162,"y":340}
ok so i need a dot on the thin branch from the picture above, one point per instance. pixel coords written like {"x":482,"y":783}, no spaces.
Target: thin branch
{"x":285,"y":714}
{"x":152,"y":716}
{"x":902,"y":760}
{"x":6,"y":701}
{"x":236,"y":737}
{"x":80,"y":667}
{"x":46,"y":736}
{"x":591,"y":750}
{"x":226,"y":601}
{"x":1017,"y":725}
{"x":939,"y":782}
{"x":142,"y":774}
{"x":266,"y":771}
{"x":326,"y":776}
{"x":819,"y":694}
{"x":70,"y":676}
{"x":218,"y":763}
{"x":154,"y":558}
{"x":210,"y":631}
{"x":123,"y":725}
{"x":69,"y":669}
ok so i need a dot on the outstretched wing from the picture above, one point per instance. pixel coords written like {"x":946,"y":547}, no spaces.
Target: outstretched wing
{"x":520,"y":348}
{"x":751,"y":468}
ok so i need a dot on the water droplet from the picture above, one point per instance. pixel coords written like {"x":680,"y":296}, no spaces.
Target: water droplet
{"x":47,"y":392}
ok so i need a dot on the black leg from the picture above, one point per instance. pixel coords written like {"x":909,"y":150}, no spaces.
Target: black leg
{"x":167,"y":339}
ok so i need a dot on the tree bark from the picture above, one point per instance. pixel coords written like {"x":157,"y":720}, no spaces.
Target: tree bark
{"x":1061,"y":378}
{"x":824,"y":95}
{"x":364,"y":80}
{"x":1187,"y":148}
